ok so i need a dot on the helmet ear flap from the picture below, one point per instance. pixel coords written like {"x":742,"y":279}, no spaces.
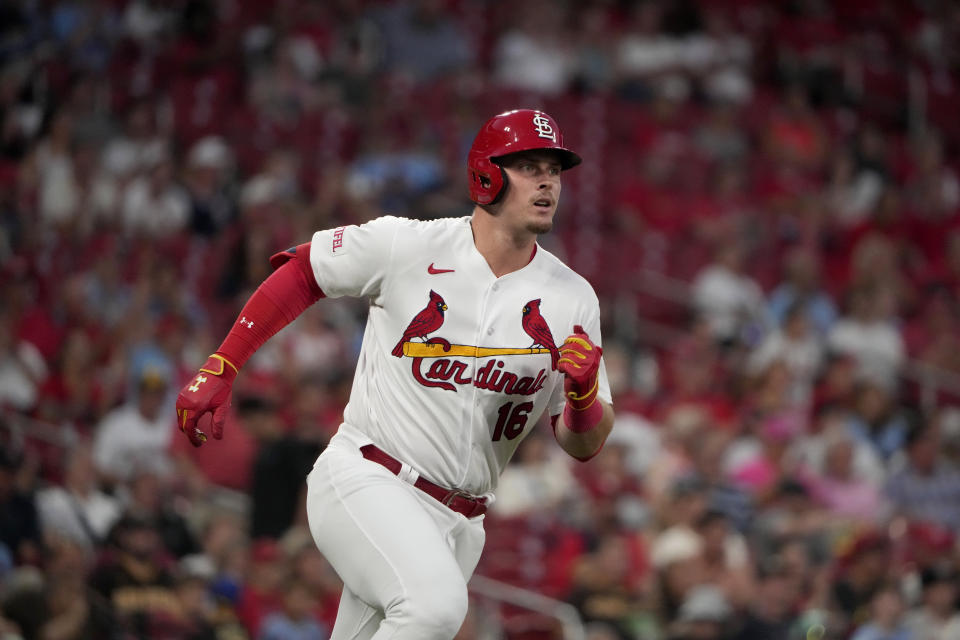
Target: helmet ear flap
{"x":488,"y":181}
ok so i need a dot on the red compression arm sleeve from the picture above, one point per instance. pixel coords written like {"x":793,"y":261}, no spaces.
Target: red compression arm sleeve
{"x":276,"y":303}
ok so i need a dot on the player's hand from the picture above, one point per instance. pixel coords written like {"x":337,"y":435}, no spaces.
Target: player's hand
{"x":580,"y":364}
{"x":208,"y":391}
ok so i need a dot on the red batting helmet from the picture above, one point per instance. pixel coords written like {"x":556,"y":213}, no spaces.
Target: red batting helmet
{"x":510,"y":132}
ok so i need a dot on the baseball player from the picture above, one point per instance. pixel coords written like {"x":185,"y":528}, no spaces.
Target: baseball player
{"x":459,"y":360}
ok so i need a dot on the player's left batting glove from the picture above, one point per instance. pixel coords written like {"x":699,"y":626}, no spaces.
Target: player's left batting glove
{"x":580,"y":365}
{"x":208,"y":391}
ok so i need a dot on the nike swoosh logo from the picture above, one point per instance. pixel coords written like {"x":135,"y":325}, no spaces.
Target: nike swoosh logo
{"x":433,"y":270}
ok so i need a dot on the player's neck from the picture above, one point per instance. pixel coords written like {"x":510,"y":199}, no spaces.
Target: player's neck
{"x":504,"y":251}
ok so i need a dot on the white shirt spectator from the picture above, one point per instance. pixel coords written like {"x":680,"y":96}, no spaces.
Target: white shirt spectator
{"x":728,"y":300}
{"x":85,"y":519}
{"x":531,"y":64}
{"x":648,"y":54}
{"x":923,"y":624}
{"x":876,"y":345}
{"x":77,"y":511}
{"x":799,"y":348}
{"x":144,"y":21}
{"x":126,"y":440}
{"x":812,"y":451}
{"x":154,"y":206}
{"x":124,"y":155}
{"x":22,"y":369}
{"x":537,"y":483}
{"x":58,"y":192}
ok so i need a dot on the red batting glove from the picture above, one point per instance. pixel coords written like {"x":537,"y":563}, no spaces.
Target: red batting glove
{"x":580,"y":364}
{"x":209,"y":391}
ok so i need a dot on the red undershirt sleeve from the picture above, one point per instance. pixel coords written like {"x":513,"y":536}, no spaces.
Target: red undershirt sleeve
{"x":277,"y":302}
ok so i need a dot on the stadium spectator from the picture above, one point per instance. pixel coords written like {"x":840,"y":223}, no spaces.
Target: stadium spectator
{"x":127,"y":153}
{"x":135,"y":579}
{"x":852,"y":193}
{"x":22,"y":367}
{"x":644,"y":53}
{"x":867,"y":333}
{"x":538,"y":480}
{"x":721,"y":58}
{"x":154,"y":205}
{"x":728,"y":298}
{"x":282,"y":461}
{"x":77,"y":511}
{"x":72,"y":395}
{"x":933,"y":191}
{"x":263,"y":587}
{"x":207,"y":179}
{"x":720,"y":138}
{"x":832,"y":423}
{"x":759,"y":465}
{"x":532,"y":56}
{"x":723,"y":495}
{"x":423,"y":41}
{"x":149,"y":496}
{"x":295,"y":620}
{"x":877,"y":418}
{"x":773,"y":613}
{"x":53,"y":170}
{"x":594,"y":49}
{"x":676,"y":555}
{"x":704,"y":615}
{"x":312,"y":569}
{"x":726,"y":560}
{"x":927,"y":488}
{"x":837,"y":487}
{"x":20,"y":537}
{"x":886,"y":620}
{"x":73,"y":610}
{"x":863,"y":572}
{"x":195,"y":614}
{"x":138,"y":433}
{"x":794,"y":137}
{"x":938,"y":616}
{"x":801,"y":285}
{"x":798,"y":346}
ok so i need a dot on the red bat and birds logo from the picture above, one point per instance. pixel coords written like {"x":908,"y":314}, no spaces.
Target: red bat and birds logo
{"x":429,"y":319}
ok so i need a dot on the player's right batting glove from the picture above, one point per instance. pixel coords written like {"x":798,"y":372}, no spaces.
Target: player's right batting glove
{"x":580,"y":364}
{"x":208,"y":391}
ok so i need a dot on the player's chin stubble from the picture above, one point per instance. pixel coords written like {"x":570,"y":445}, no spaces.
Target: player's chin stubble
{"x":540,"y":227}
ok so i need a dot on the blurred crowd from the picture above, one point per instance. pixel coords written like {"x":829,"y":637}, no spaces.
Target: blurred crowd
{"x":768,"y":209}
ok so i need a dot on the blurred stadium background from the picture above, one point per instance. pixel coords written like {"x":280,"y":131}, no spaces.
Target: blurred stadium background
{"x":768,"y":209}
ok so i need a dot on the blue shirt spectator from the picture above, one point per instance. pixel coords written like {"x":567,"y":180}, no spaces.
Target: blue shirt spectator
{"x":423,"y":40}
{"x":928,"y":487}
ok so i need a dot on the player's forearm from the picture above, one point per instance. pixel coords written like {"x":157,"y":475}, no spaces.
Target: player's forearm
{"x":583,"y":445}
{"x":277,"y":302}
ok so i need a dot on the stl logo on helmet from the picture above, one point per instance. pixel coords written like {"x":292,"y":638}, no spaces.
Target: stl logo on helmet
{"x":544,"y":128}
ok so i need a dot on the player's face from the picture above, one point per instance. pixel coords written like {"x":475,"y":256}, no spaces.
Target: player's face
{"x":533,"y":191}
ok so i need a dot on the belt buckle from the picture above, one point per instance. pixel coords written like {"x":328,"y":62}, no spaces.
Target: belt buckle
{"x":454,"y":494}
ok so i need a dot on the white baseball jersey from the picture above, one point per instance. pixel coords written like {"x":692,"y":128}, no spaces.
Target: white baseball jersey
{"x":454,"y":409}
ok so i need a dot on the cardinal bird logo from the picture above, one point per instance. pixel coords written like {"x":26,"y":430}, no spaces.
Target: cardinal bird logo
{"x":536,"y":327}
{"x":427,"y":321}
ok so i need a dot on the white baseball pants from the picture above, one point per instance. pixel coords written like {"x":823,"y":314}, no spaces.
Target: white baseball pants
{"x":404,"y":558}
